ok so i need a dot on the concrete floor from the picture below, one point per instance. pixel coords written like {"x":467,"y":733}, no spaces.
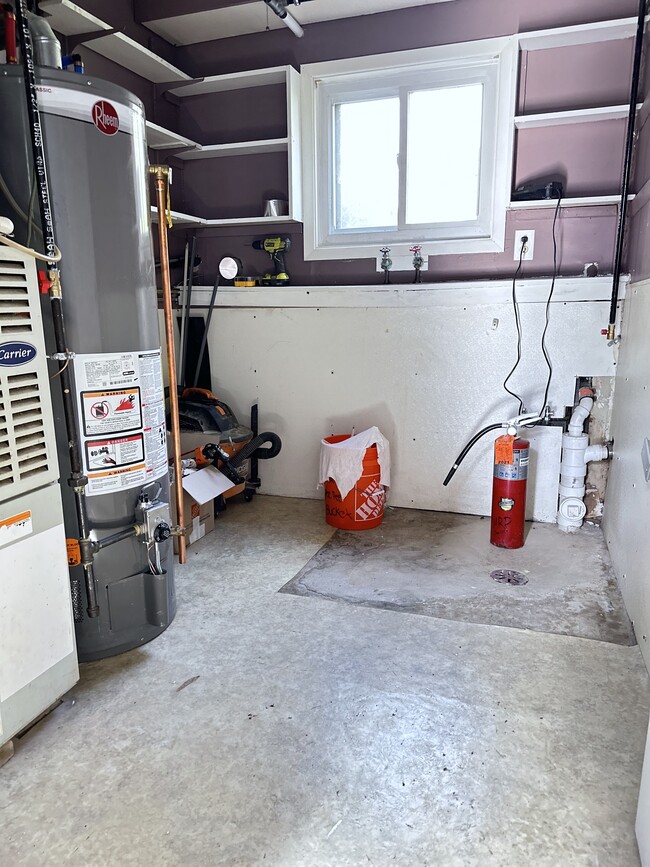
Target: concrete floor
{"x":325,"y":735}
{"x":439,"y":565}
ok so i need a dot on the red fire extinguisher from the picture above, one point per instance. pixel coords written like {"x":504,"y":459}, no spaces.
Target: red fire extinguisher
{"x":509,"y":491}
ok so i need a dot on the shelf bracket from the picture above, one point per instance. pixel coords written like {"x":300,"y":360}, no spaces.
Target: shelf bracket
{"x":165,"y":88}
{"x":81,"y":38}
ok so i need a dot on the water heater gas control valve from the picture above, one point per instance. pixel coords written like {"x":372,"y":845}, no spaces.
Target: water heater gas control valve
{"x":154,"y":520}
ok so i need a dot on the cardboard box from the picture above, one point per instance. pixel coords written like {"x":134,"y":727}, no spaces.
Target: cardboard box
{"x":200,"y":489}
{"x":199,"y":520}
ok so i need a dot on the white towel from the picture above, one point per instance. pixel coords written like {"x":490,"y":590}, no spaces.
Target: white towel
{"x":343,"y":462}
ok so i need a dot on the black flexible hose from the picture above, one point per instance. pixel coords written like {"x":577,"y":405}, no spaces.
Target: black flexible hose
{"x":470,"y":445}
{"x":254,"y":447}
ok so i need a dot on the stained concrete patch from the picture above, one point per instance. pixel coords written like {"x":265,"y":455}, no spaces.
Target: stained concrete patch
{"x":439,"y":565}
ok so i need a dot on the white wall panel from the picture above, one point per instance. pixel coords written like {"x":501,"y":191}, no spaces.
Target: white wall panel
{"x":627,"y":505}
{"x":428,"y":376}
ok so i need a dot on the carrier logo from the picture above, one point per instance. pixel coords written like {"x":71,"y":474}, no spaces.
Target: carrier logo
{"x":13,"y":354}
{"x":105,"y":117}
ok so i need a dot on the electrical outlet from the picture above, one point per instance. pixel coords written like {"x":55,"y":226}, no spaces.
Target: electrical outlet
{"x":529,"y":248}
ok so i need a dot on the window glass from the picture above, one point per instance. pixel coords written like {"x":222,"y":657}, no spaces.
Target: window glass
{"x":444,"y":154}
{"x":366,"y":146}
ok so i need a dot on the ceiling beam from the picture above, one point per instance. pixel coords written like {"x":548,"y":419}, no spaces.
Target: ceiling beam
{"x":155,"y":10}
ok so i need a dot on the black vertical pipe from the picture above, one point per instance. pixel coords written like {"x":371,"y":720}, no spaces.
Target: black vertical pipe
{"x":627,"y":167}
{"x":188,"y":308}
{"x":77,"y":480}
{"x":208,"y":319}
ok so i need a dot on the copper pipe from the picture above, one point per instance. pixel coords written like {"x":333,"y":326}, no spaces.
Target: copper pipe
{"x":161,"y":174}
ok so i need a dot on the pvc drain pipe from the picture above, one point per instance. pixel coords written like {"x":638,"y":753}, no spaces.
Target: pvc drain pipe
{"x":576,"y":454}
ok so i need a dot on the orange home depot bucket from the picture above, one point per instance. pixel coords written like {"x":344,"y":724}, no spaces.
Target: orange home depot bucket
{"x":363,"y":508}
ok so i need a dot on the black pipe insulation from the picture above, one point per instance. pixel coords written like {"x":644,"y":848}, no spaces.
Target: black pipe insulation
{"x":627,"y":168}
{"x":77,"y":480}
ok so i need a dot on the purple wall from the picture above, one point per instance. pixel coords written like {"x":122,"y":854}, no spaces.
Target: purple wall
{"x":415,"y":27}
{"x":588,"y":157}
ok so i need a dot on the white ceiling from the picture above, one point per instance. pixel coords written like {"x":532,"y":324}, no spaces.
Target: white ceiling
{"x":252,"y":18}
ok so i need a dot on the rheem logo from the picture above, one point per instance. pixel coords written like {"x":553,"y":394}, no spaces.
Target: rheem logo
{"x":105,"y":117}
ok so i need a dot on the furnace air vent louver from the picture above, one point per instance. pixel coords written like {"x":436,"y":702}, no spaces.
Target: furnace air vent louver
{"x":27,"y":415}
{"x":6,"y":461}
{"x":15,"y":307}
{"x":27,"y":444}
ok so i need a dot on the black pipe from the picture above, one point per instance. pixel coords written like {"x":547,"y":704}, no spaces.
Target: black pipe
{"x":188,"y":305}
{"x":208,"y":319}
{"x":77,"y":480}
{"x":627,"y":168}
{"x":115,"y":537}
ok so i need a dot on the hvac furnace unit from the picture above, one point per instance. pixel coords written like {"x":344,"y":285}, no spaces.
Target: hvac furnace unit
{"x":95,"y":145}
{"x":38,"y":661}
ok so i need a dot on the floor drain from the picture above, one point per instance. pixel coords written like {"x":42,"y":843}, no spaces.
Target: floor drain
{"x":509,"y":576}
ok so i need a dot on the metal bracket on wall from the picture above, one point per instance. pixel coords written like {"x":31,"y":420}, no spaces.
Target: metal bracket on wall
{"x":81,"y":38}
{"x":165,"y":88}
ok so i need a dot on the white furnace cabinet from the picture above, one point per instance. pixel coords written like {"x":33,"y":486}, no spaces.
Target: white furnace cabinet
{"x":38,"y":657}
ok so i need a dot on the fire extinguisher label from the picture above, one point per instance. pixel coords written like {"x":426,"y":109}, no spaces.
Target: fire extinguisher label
{"x":517,"y":471}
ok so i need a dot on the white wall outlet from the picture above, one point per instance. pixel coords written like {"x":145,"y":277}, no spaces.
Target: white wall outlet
{"x":529,"y":248}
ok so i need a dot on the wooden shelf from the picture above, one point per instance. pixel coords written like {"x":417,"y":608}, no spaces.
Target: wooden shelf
{"x":179,"y":219}
{"x":249,"y":221}
{"x":575,"y":202}
{"x":580,"y":115}
{"x":581,"y":34}
{"x":234,"y":81}
{"x":237,"y":149}
{"x":159,"y":138}
{"x":71,"y":20}
{"x":289,"y":144}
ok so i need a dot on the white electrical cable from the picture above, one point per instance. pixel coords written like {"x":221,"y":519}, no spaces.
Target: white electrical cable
{"x":29,"y":251}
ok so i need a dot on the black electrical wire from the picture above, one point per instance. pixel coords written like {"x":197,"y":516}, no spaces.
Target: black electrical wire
{"x":515,"y":306}
{"x":547,"y":358}
{"x":461,"y":457}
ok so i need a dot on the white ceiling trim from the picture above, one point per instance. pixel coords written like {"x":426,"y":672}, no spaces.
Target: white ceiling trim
{"x":253,"y":17}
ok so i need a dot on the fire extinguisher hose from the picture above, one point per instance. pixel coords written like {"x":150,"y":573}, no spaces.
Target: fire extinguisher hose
{"x":470,"y":445}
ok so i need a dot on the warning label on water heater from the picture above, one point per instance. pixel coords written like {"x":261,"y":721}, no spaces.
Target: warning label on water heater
{"x":121,"y":405}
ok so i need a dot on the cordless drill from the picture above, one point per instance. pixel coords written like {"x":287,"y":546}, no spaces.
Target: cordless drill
{"x":276,"y":248}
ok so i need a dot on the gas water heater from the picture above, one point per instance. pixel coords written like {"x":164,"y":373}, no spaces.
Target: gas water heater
{"x":94,"y":135}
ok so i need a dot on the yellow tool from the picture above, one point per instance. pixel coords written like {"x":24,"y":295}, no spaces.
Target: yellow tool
{"x":276,"y":248}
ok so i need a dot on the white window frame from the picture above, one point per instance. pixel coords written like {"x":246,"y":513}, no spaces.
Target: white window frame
{"x":492,"y":62}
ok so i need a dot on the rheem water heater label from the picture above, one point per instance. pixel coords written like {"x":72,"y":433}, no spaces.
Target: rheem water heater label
{"x":121,"y":404}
